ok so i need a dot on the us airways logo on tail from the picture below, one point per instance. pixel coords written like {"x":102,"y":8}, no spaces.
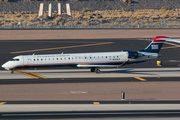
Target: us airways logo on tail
{"x":155,"y":45}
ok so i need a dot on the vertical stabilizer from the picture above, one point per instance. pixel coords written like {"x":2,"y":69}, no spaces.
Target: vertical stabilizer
{"x":155,"y":46}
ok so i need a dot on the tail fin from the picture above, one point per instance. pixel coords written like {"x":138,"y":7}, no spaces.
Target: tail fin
{"x":155,"y":45}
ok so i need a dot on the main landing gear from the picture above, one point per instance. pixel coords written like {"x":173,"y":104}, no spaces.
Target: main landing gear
{"x":95,"y":70}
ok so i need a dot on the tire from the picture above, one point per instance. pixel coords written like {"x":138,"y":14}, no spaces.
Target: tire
{"x":92,"y":69}
{"x":98,"y":71}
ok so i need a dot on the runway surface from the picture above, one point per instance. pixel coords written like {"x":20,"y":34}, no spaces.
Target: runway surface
{"x":9,"y":49}
{"x":144,"y":77}
{"x":142,"y":83}
{"x":155,"y":115}
{"x":49,"y":111}
{"x":85,"y":73}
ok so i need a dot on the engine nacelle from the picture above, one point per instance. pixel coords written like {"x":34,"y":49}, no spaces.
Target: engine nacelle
{"x":133,"y":54}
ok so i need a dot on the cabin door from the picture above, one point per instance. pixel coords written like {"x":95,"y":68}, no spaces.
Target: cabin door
{"x":25,"y":60}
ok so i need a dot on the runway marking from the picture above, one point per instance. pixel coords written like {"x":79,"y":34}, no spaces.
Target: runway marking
{"x":170,"y":47}
{"x":62,"y":47}
{"x":96,"y":103}
{"x":39,"y":75}
{"x":19,"y":71}
{"x":140,"y":78}
{"x":56,"y":41}
{"x":1,"y":103}
{"x":33,"y":75}
{"x":78,"y":92}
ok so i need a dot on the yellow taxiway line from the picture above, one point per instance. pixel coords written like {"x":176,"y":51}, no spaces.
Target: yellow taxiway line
{"x":96,"y":103}
{"x":1,"y":103}
{"x":62,"y":47}
{"x":33,"y":75}
{"x":171,"y":47}
{"x":39,"y":75}
{"x":140,"y":78}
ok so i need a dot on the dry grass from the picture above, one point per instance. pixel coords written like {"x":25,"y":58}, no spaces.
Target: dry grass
{"x":146,"y":16}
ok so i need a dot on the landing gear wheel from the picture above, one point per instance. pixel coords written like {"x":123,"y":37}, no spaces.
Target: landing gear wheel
{"x":92,"y":69}
{"x":12,"y":71}
{"x":98,"y":71}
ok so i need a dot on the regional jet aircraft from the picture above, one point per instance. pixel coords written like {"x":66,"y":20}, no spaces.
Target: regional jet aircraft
{"x":94,"y":61}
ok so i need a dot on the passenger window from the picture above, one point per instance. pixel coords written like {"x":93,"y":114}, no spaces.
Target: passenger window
{"x":113,"y":56}
{"x":34,"y":59}
{"x":37,"y":59}
{"x":61,"y":58}
{"x":41,"y":59}
{"x":57,"y":58}
{"x":69,"y":58}
{"x":102,"y":56}
{"x":106,"y":56}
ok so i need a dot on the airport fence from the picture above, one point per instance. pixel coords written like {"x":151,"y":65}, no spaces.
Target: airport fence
{"x":90,"y":23}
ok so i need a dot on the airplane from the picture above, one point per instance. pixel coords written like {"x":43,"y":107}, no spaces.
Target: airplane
{"x":94,"y":61}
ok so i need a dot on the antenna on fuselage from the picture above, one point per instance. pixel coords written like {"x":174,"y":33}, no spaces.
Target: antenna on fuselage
{"x":62,"y":53}
{"x":33,"y":53}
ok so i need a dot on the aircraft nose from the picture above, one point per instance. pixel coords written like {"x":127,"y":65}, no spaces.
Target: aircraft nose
{"x":5,"y":66}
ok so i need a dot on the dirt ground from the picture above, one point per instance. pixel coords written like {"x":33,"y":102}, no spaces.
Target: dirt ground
{"x":86,"y":34}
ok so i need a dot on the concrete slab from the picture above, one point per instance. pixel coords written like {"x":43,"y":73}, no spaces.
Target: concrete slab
{"x":59,"y":9}
{"x":105,"y":73}
{"x":68,"y":9}
{"x":85,"y":107}
{"x":41,"y":10}
{"x":50,"y":10}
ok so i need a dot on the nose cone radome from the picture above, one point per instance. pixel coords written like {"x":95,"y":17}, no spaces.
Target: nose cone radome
{"x":5,"y":66}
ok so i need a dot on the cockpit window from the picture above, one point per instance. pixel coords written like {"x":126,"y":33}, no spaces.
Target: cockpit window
{"x":14,"y":60}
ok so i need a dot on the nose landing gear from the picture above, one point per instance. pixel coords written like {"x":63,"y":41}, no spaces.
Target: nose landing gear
{"x":12,"y":71}
{"x":95,"y":70}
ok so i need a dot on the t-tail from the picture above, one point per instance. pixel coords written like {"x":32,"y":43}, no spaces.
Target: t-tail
{"x":155,"y":46}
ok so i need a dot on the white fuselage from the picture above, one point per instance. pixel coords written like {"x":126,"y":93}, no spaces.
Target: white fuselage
{"x":88,"y":60}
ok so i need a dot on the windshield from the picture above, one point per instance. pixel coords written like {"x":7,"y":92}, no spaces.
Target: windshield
{"x":14,"y":60}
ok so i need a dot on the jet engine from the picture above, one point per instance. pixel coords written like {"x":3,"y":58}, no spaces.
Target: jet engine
{"x":133,"y":54}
